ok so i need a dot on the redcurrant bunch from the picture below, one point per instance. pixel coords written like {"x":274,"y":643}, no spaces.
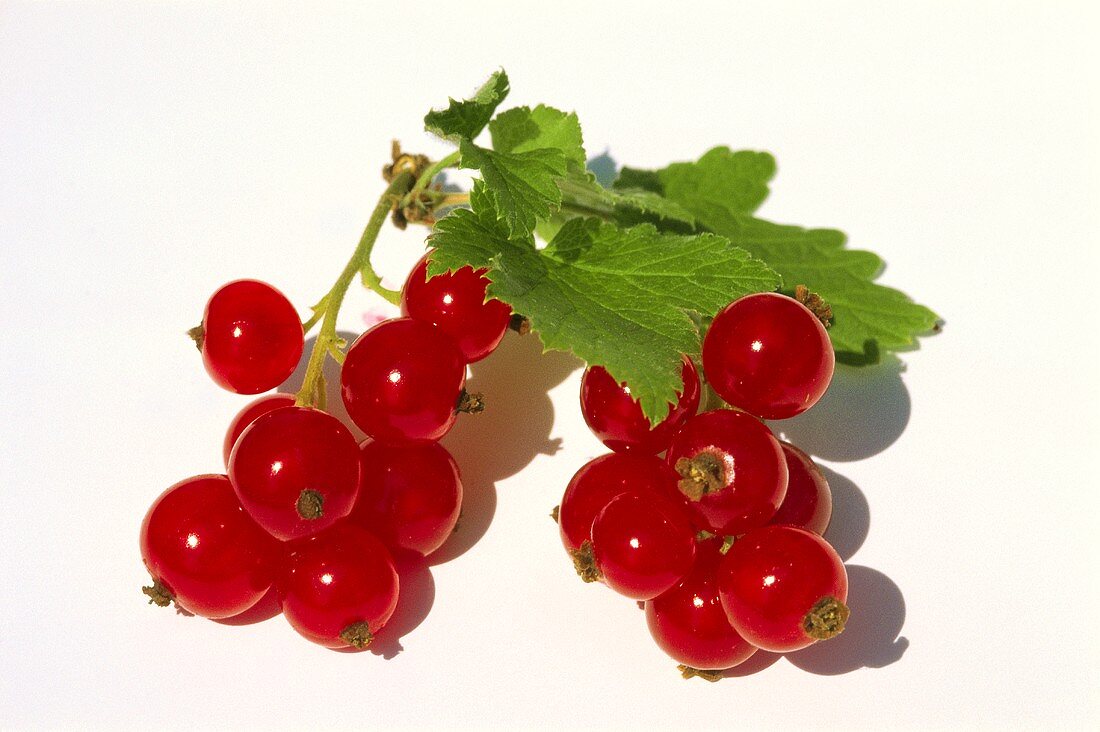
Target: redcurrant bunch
{"x":304,"y":509}
{"x":721,"y":538}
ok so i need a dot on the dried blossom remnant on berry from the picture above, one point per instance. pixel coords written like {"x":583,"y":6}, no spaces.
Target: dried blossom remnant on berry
{"x":815,"y":304}
{"x":470,"y":403}
{"x":688,"y":673}
{"x":826,"y":619}
{"x":197,"y":334}
{"x":311,"y":505}
{"x":357,"y":635}
{"x":584,"y":561}
{"x":700,"y":475}
{"x":554,"y":513}
{"x":158,"y":594}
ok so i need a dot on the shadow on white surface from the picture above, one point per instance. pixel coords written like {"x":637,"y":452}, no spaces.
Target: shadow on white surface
{"x":417,"y":595}
{"x":864,"y":411}
{"x":508,"y":435}
{"x":851,"y":515}
{"x":872,"y":637}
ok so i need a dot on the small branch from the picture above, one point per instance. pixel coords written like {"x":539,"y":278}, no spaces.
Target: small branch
{"x":312,"y":384}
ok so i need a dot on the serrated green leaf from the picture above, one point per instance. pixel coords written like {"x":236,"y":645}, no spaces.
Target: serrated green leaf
{"x":522,"y":185}
{"x":637,"y":205}
{"x":523,"y":129}
{"x":867,"y":317}
{"x":466,"y":119}
{"x":720,"y":183}
{"x":616,"y":297}
{"x":626,"y":207}
{"x":723,"y":188}
{"x":646,"y":180}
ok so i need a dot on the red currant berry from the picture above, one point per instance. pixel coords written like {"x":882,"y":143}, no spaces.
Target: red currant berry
{"x":593,"y":487}
{"x":769,"y":355}
{"x":339,"y":587}
{"x":688,"y":622}
{"x":616,"y":417}
{"x":296,"y":471}
{"x":643,"y":544}
{"x":203,"y":550}
{"x":809,"y":502}
{"x":402,"y":381}
{"x":409,"y":495}
{"x":455,"y":303}
{"x":248,"y":415}
{"x":732,"y":470}
{"x":251,"y":338}
{"x":783,"y":588}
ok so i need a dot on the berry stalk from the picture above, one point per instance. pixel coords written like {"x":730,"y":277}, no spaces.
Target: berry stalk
{"x":312,"y":392}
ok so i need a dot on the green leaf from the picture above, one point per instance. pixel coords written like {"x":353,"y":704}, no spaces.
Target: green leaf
{"x":723,"y":188}
{"x":867,"y":318}
{"x":523,"y":129}
{"x":466,"y":119}
{"x":620,"y":298}
{"x":636,"y":205}
{"x":626,"y":206}
{"x":721,"y":183}
{"x":522,"y":185}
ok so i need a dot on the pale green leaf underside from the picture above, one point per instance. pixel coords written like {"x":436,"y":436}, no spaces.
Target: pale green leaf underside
{"x":466,"y":119}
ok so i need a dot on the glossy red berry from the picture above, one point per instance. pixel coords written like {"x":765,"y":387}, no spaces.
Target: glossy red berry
{"x":643,"y":544}
{"x":402,"y":381}
{"x":251,"y":337}
{"x":245,"y":417}
{"x":616,"y":417}
{"x":809,"y":502}
{"x":731,"y":470}
{"x":455,"y":303}
{"x":338,"y":588}
{"x":769,"y":355}
{"x":203,"y":550}
{"x":688,"y":622}
{"x":593,"y":487}
{"x":409,"y":495}
{"x":783,"y":588}
{"x":296,"y":471}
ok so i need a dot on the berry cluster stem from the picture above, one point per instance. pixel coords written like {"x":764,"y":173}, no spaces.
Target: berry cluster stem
{"x":312,"y":392}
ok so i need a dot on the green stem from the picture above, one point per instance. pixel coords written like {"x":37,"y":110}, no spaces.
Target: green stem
{"x":312,"y":391}
{"x":429,"y":175}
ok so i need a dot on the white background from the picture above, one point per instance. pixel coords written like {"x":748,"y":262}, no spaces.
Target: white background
{"x":151,"y":151}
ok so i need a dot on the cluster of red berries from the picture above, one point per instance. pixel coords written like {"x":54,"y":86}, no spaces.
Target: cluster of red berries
{"x":303,"y":508}
{"x":721,"y":539}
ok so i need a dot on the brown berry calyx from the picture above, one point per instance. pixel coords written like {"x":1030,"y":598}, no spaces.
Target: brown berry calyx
{"x":310,"y":505}
{"x":197,"y":334}
{"x":470,"y":403}
{"x":519,"y":324}
{"x":584,"y":561}
{"x":815,"y":304}
{"x":826,"y":619}
{"x":357,"y":635}
{"x":701,"y":475}
{"x":688,"y":672}
{"x":158,"y":594}
{"x":554,"y":513}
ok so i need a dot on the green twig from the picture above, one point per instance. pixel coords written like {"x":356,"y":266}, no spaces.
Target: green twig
{"x":313,"y":383}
